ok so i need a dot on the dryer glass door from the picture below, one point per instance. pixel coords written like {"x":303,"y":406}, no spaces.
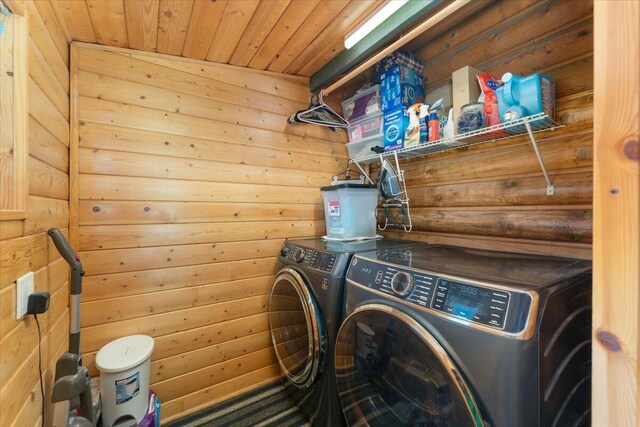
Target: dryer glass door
{"x":392,"y":372}
{"x":296,"y":328}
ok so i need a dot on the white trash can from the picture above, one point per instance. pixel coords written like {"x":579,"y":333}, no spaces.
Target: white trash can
{"x":124,"y":377}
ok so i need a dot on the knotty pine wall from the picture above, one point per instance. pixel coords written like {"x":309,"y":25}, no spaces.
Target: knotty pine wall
{"x":189,"y":181}
{"x":24,"y":244}
{"x":494,"y":195}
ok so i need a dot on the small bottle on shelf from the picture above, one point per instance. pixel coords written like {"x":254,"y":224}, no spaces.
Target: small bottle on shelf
{"x":434,"y":127}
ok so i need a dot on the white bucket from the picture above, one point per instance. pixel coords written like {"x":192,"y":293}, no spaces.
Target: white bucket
{"x":124,"y":377}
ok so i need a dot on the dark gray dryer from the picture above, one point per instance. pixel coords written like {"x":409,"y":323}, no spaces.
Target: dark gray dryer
{"x":305,"y":313}
{"x":446,"y":336}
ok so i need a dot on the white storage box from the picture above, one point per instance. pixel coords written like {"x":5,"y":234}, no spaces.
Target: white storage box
{"x":363,"y":147}
{"x":367,"y":127}
{"x":362,"y":104}
{"x":349,"y":210}
{"x":124,"y":377}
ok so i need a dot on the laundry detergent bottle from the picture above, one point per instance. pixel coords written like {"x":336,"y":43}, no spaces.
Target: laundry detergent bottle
{"x":526,"y":96}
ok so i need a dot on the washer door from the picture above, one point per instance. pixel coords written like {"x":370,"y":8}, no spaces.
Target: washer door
{"x":297,"y":331}
{"x":392,"y":372}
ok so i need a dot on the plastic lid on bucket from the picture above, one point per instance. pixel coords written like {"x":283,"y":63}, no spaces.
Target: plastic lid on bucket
{"x":124,"y":353}
{"x":346,"y":185}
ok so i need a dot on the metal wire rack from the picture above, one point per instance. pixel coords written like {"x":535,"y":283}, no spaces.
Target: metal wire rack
{"x":525,"y":125}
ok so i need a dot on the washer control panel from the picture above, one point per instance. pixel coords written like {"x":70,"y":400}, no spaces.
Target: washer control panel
{"x":322,"y":261}
{"x":492,"y":307}
{"x":315,"y":259}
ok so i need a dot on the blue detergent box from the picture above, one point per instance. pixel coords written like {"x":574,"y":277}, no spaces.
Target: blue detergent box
{"x":400,"y":87}
{"x":393,"y":127}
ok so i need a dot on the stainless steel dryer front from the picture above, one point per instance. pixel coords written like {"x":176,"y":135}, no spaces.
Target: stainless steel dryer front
{"x":446,"y":336}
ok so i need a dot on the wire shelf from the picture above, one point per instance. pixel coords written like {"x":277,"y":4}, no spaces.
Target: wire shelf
{"x":537,"y":123}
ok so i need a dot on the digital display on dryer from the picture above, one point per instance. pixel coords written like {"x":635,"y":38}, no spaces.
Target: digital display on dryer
{"x":471,"y":302}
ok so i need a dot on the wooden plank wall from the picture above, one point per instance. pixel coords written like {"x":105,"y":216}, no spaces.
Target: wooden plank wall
{"x":189,"y":180}
{"x":24,"y":245}
{"x":616,"y":246}
{"x":493,"y":195}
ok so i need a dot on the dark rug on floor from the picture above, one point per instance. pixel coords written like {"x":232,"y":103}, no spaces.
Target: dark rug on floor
{"x":267,"y":406}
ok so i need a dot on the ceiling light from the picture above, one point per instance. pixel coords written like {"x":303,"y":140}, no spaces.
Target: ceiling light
{"x":375,"y":19}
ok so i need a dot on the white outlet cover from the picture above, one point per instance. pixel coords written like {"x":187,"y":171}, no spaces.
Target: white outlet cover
{"x":25,"y":286}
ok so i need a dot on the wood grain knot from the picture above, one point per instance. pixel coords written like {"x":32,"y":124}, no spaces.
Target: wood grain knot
{"x":608,"y":341}
{"x":631,"y":149}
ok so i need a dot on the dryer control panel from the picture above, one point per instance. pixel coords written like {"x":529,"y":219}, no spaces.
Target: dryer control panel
{"x":471,"y":302}
{"x":496,"y":308}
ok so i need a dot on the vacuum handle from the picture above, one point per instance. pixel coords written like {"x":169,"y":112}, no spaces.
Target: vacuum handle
{"x":70,"y":256}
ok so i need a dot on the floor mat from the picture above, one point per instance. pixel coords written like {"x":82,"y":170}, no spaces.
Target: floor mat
{"x":266,"y":406}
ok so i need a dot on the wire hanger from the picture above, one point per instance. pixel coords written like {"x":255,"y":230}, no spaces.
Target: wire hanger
{"x":319,"y":113}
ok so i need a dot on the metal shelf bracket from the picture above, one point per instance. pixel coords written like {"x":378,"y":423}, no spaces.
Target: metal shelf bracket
{"x":540,"y":160}
{"x":362,"y":171}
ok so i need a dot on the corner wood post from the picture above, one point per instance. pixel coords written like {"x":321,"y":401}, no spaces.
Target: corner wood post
{"x":616,"y":234}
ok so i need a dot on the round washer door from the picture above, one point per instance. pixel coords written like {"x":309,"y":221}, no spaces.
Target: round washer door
{"x":297,"y":331}
{"x":392,"y":372}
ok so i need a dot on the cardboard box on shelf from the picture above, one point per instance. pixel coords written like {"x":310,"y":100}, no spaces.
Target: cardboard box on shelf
{"x":393,"y":128}
{"x":400,"y":87}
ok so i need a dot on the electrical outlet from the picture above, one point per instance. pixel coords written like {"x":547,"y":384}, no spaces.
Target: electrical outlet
{"x":24,"y":287}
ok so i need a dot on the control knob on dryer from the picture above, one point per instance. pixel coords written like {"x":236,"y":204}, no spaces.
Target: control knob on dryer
{"x":402,"y":283}
{"x":298,"y":255}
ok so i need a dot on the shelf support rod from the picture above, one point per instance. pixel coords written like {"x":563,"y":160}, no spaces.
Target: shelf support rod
{"x":540,"y":160}
{"x":398,"y":171}
{"x":366,"y":175}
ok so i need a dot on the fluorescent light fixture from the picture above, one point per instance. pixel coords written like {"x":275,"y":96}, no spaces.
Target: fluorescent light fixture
{"x":376,"y":18}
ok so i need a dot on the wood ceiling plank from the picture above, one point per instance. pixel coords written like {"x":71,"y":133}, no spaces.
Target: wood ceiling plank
{"x":331,"y":41}
{"x":205,"y":17}
{"x":75,"y":15}
{"x":235,"y":20}
{"x":173,"y":23}
{"x":287,"y":25}
{"x":263,"y":21}
{"x":142,"y":24}
{"x":109,"y":26}
{"x":317,"y":21}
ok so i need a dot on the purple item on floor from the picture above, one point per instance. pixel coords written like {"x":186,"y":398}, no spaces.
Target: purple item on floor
{"x":152,"y":417}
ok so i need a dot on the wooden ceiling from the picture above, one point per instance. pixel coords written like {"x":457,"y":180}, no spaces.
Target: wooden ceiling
{"x":287,"y":36}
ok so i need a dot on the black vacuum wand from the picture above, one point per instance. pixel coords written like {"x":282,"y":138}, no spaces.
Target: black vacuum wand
{"x":77,"y":272}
